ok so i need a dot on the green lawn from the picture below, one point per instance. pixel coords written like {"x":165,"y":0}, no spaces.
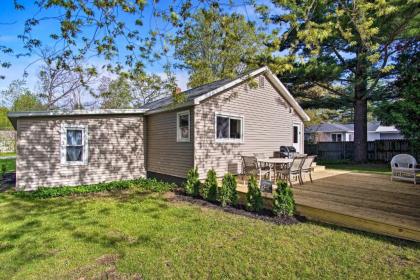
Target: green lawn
{"x":7,"y":154}
{"x":10,"y":164}
{"x":379,"y":168}
{"x":137,"y":234}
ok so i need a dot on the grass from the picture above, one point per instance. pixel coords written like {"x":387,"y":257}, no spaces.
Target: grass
{"x":10,"y":164}
{"x":378,"y":168}
{"x":133,"y":233}
{"x":7,"y":154}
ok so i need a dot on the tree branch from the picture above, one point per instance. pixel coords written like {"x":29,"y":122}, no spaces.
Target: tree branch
{"x":334,"y":91}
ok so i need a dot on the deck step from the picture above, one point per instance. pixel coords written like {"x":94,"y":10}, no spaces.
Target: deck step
{"x":363,"y":201}
{"x":361,"y":218}
{"x":319,"y":168}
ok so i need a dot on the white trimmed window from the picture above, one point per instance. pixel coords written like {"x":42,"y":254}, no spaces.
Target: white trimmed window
{"x":183,"y":126}
{"x":74,"y":144}
{"x":229,"y":128}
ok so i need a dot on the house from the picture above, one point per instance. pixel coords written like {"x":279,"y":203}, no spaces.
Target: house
{"x":214,"y":125}
{"x":329,"y":132}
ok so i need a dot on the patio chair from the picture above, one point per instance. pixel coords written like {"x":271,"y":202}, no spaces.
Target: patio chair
{"x":262,"y":155}
{"x":307,"y":167}
{"x":250,"y":167}
{"x":404,"y":167}
{"x":294,"y":170}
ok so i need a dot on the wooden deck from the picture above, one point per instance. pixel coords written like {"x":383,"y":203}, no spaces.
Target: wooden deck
{"x":368,"y":202}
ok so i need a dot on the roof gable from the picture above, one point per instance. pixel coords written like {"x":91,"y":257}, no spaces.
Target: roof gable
{"x":197,"y":95}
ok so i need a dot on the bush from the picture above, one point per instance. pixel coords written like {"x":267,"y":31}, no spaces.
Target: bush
{"x":209,"y":189}
{"x":283,"y":203}
{"x":254,"y":201}
{"x":142,"y":183}
{"x":228,"y":193}
{"x":192,"y":186}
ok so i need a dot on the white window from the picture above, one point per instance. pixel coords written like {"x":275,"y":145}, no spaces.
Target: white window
{"x":183,"y":126}
{"x":74,"y":145}
{"x":336,"y":137}
{"x":229,"y":128}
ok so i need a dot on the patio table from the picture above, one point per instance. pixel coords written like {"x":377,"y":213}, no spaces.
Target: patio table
{"x":272,"y":162}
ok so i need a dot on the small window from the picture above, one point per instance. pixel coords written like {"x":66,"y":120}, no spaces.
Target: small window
{"x":183,"y":126}
{"x":229,"y":128}
{"x":336,"y":137}
{"x":74,"y":145}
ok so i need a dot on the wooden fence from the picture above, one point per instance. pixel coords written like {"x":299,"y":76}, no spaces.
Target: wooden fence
{"x":379,"y":150}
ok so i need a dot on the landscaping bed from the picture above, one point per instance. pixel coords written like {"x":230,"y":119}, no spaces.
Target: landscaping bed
{"x":263,"y":215}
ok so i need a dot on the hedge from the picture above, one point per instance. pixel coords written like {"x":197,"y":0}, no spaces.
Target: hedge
{"x":141,"y":183}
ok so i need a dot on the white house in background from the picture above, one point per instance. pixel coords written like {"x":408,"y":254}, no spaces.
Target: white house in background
{"x":329,"y":132}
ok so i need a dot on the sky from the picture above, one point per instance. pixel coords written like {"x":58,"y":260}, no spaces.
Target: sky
{"x":12,"y":25}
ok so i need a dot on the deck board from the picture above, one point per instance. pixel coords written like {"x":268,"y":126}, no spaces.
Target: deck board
{"x":363,"y":201}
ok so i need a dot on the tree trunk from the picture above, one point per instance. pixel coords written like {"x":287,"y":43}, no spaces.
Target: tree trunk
{"x":360,"y":109}
{"x":360,"y":130}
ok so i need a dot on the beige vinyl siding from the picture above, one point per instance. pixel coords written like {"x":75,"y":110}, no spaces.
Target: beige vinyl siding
{"x":164,"y":154}
{"x":115,"y":151}
{"x":268,"y":124}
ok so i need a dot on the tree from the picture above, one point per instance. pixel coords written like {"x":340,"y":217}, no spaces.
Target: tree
{"x":61,"y":86}
{"x":18,"y":97}
{"x":399,"y":103}
{"x":114,"y":31}
{"x":27,"y":102}
{"x":115,"y":94}
{"x":128,"y":91}
{"x":344,"y":47}
{"x":213,"y":45}
{"x":4,"y":120}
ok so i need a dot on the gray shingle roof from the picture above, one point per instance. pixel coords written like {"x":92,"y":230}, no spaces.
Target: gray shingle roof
{"x":328,"y":127}
{"x":192,"y":93}
{"x":335,"y":127}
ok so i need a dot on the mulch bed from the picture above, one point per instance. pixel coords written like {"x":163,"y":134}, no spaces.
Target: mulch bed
{"x":265,"y":215}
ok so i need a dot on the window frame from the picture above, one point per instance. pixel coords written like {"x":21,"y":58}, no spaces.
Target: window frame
{"x":229,"y":116}
{"x":341,"y":137}
{"x":63,"y":148}
{"x":178,"y":131}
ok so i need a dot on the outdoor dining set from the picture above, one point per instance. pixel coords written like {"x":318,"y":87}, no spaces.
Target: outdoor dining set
{"x":288,"y":168}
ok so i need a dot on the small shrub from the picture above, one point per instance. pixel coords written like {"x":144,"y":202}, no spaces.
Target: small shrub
{"x":192,"y":186}
{"x":209,"y":188}
{"x":283,"y":203}
{"x":254,"y":201}
{"x":228,"y":193}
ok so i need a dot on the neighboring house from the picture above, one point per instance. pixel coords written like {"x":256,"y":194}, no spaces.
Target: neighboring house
{"x":212,"y":128}
{"x":329,"y":132}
